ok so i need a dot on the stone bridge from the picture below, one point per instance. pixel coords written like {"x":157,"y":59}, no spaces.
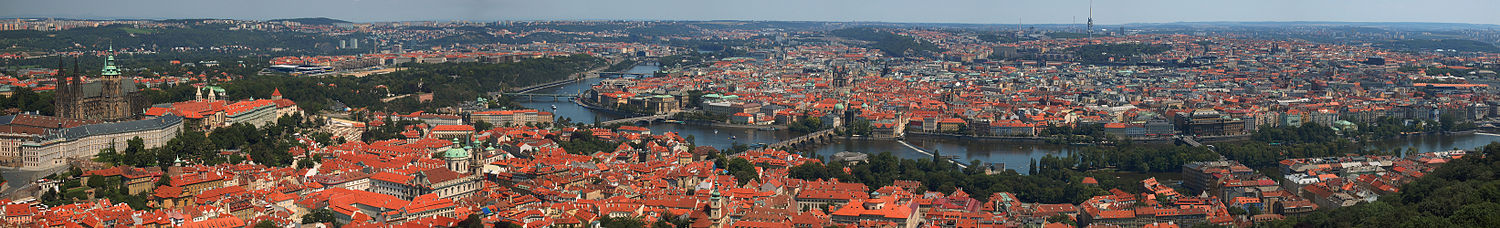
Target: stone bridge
{"x":805,"y":140}
{"x":645,"y":119}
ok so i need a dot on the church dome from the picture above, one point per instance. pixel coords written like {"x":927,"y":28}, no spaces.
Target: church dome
{"x":456,"y":153}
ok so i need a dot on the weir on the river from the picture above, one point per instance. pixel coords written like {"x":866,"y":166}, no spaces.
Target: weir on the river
{"x":920,"y":150}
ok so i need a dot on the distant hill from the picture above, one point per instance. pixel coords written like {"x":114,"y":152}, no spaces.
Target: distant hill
{"x":313,"y":20}
{"x":892,"y":44}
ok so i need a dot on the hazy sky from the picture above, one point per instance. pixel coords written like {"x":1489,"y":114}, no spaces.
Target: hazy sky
{"x":956,"y":11}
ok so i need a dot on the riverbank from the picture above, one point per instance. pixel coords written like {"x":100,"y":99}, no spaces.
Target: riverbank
{"x":739,"y":126}
{"x":607,"y":110}
{"x":1048,"y":140}
{"x":1445,"y":133}
{"x":574,"y":78}
{"x":774,"y":127}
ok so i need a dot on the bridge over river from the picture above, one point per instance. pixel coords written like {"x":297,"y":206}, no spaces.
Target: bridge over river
{"x":647,"y":119}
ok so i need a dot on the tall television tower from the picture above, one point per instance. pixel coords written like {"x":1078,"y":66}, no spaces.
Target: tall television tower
{"x":1091,"y":19}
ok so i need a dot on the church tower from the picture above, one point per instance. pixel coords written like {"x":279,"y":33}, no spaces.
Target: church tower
{"x":114,"y":106}
{"x":61,"y":96}
{"x":840,"y":77}
{"x":716,"y":205}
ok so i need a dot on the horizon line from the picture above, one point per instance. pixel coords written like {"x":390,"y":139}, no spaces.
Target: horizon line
{"x":739,"y":20}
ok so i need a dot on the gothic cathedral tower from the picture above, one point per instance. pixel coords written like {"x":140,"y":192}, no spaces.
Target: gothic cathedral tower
{"x":109,"y":98}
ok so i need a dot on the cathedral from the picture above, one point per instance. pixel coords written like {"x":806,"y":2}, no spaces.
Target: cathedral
{"x":110,"y":98}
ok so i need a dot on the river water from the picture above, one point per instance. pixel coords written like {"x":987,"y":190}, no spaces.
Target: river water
{"x":1012,"y":155}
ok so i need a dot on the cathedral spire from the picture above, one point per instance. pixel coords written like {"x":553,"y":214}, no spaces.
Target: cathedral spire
{"x":61,"y":77}
{"x":109,"y":67}
{"x":61,"y":72}
{"x":77,"y":77}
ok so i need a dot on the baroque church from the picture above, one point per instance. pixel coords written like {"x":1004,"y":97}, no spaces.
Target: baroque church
{"x":110,"y":98}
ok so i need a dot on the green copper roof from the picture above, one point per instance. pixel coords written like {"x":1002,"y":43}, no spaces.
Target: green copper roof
{"x":456,"y":153}
{"x":109,"y":67}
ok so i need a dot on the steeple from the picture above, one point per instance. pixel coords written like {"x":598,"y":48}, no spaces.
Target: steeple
{"x":276,"y":94}
{"x":77,"y":77}
{"x":109,"y":67}
{"x":62,"y":74}
{"x":716,"y":207}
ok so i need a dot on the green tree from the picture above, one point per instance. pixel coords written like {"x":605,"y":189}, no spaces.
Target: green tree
{"x":95,"y":181}
{"x":265,"y":224}
{"x":321,"y":215}
{"x":625,"y":222}
{"x":473,"y":221}
{"x":742,"y":170}
{"x":1064,"y":219}
{"x":136,"y":153}
{"x":480,"y":125}
{"x":108,"y":156}
{"x":669,"y":220}
{"x":807,"y":125}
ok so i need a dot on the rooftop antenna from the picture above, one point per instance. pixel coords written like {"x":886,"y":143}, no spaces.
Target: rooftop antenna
{"x":1091,"y":19}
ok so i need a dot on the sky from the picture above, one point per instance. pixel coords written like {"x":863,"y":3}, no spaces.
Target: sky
{"x":928,"y":11}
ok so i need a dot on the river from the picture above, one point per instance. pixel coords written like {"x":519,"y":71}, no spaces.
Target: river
{"x":1012,"y":155}
{"x":1430,"y":143}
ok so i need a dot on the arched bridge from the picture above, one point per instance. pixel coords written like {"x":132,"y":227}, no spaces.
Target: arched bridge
{"x":533,"y":96}
{"x":812,"y":138}
{"x":624,"y":74}
{"x":536,"y":87}
{"x":648,"y":119}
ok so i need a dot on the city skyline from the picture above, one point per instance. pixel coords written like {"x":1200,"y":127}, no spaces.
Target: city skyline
{"x":945,"y":11}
